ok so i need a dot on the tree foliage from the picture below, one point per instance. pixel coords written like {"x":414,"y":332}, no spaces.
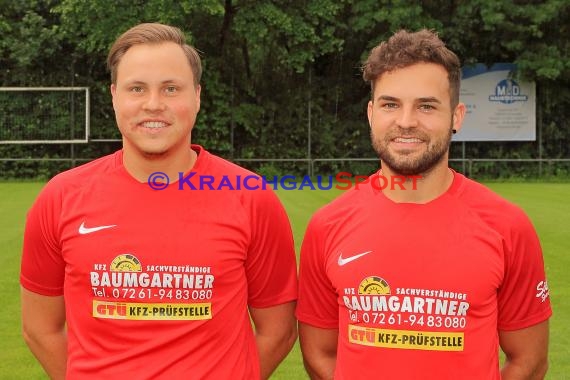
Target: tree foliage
{"x":274,"y":69}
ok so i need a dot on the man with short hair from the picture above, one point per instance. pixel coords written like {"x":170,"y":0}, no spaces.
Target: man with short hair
{"x":421,"y":282}
{"x":120,"y":280}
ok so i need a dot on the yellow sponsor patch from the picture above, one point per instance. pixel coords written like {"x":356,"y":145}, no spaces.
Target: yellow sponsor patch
{"x":152,"y":311}
{"x":412,"y":340}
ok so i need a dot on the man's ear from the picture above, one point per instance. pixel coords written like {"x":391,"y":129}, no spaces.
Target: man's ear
{"x":198,"y":92}
{"x":458,"y":116}
{"x":113,"y":93}
{"x":370,"y":112}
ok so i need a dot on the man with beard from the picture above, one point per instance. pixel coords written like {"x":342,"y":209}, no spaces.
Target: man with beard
{"x":424,"y":282}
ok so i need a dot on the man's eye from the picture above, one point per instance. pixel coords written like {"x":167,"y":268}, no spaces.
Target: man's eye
{"x":427,"y":107}
{"x":171,"y":89}
{"x":136,"y":89}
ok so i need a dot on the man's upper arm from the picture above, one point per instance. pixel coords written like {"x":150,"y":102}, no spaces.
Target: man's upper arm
{"x":318,"y":346}
{"x":41,"y":315}
{"x":43,"y":325}
{"x":275,"y":320}
{"x":526,"y":351}
{"x":275,"y":334}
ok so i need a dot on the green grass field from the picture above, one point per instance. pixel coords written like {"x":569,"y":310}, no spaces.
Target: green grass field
{"x":546,"y":204}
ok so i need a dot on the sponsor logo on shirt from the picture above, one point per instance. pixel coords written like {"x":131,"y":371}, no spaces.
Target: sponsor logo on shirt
{"x":125,"y":263}
{"x":414,"y":340}
{"x":152,"y":311}
{"x":374,"y":285}
{"x":542,"y":290}
{"x":381,"y":315}
{"x":125,"y":289}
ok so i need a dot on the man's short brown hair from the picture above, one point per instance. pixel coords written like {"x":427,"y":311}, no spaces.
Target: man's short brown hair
{"x":405,"y":49}
{"x":152,"y":33}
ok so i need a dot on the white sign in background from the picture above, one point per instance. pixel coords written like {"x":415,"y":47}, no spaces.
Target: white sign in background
{"x":498,"y":107}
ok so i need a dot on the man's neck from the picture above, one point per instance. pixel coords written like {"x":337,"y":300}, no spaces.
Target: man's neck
{"x":141,"y":166}
{"x":419,"y":190}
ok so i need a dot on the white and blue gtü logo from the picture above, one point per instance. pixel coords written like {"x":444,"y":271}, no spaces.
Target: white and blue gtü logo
{"x":508,"y":91}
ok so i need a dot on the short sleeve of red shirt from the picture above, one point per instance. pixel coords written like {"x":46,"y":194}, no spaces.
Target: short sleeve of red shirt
{"x":42,"y":268}
{"x":317,"y":304}
{"x":271,"y":268}
{"x":523,"y":298}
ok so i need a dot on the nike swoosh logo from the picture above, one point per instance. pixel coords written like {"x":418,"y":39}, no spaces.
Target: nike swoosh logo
{"x":87,"y":230}
{"x":347,"y":260}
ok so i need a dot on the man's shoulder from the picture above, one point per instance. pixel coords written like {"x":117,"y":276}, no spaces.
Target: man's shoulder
{"x":351,"y":203}
{"x":222,"y":166}
{"x":478,"y":195}
{"x":69,"y":183}
{"x":236,"y":181}
{"x":79,"y":175}
{"x":493,"y":208}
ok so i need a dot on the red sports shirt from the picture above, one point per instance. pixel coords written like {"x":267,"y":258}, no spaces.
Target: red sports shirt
{"x":418,"y":291}
{"x":157,"y":283}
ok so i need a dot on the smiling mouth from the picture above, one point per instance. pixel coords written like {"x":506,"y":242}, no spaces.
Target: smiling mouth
{"x":154,"y":124}
{"x":407,"y":140}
